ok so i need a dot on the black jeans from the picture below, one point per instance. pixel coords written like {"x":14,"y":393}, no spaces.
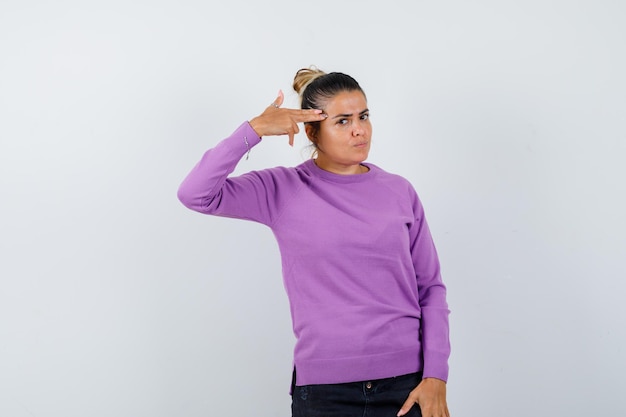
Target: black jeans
{"x":376,"y":398}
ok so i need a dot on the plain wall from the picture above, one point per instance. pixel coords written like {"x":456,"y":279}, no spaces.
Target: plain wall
{"x":507,"y":116}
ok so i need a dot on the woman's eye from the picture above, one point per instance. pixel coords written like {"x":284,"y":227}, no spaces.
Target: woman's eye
{"x":342,"y":121}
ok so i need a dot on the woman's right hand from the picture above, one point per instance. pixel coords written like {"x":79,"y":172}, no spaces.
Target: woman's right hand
{"x":276,"y":121}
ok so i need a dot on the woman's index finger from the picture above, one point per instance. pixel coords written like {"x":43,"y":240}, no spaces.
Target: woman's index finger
{"x":310,"y":115}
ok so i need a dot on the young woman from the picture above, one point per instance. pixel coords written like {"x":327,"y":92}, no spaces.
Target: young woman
{"x":360,"y":268}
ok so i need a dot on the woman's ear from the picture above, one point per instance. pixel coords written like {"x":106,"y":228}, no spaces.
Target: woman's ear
{"x":311,"y":132}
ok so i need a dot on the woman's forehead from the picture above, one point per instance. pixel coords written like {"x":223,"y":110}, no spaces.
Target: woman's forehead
{"x":346,"y":102}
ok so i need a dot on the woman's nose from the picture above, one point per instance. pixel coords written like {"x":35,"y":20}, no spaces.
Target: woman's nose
{"x":357,"y":130}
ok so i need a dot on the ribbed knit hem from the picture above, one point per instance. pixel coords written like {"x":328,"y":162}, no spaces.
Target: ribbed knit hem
{"x":341,"y":370}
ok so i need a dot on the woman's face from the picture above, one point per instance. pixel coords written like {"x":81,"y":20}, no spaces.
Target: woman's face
{"x":343,"y":139}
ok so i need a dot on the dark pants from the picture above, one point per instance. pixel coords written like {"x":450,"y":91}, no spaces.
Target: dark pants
{"x":376,"y":398}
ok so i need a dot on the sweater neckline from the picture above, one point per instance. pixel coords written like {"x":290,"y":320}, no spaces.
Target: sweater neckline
{"x":339,"y":178}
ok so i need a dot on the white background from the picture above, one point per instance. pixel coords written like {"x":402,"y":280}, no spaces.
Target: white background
{"x":507,"y":116}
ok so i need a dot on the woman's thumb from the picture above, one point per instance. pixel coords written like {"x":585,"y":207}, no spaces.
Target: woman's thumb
{"x":279,"y":100}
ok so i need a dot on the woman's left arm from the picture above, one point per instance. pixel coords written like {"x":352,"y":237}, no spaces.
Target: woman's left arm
{"x":430,"y":394}
{"x":432,"y":297}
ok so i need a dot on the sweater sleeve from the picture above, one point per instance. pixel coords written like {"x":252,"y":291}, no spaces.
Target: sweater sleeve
{"x":208,"y":189}
{"x":432,"y":298}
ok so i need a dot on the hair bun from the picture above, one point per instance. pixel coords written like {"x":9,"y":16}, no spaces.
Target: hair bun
{"x":304,"y":77}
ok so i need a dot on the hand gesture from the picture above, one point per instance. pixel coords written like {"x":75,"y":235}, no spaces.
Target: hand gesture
{"x":277,"y":121}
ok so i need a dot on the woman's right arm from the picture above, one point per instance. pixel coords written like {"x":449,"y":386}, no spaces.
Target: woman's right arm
{"x":208,"y":189}
{"x":204,"y":187}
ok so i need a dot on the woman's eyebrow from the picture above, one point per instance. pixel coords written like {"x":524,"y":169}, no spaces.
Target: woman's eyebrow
{"x":350,"y":114}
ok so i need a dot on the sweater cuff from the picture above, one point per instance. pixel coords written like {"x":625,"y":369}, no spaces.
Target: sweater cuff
{"x":245,"y":130}
{"x":241,"y":141}
{"x":436,"y":366}
{"x":435,"y":342}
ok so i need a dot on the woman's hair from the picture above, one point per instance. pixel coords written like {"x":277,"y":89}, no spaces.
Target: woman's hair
{"x":315,"y":88}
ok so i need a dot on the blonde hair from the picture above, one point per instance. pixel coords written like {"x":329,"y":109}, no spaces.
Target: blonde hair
{"x":304,"y":77}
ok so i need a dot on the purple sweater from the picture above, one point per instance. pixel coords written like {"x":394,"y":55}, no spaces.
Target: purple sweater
{"x":359,"y":265}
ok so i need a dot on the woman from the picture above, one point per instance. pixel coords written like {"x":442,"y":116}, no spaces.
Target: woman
{"x":361,"y":272}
